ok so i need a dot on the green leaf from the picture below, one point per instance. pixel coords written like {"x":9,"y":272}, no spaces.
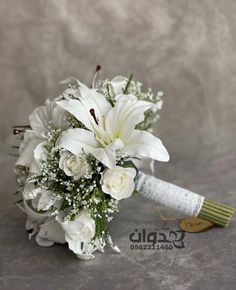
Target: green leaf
{"x":125,"y":91}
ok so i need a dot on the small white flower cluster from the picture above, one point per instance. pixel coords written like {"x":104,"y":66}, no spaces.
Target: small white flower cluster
{"x":76,"y":160}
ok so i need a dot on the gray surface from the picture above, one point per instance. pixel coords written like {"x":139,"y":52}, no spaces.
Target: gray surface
{"x":185,"y":48}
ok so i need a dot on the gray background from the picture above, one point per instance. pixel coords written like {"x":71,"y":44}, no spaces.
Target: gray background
{"x":184,"y":48}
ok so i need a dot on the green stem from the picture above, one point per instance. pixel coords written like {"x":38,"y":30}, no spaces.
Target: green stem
{"x":218,"y":205}
{"x":128,"y":84}
{"x":216,"y":213}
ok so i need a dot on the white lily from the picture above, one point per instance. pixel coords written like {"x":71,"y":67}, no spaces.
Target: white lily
{"x":41,"y":120}
{"x":34,"y":219}
{"x":109,"y":128}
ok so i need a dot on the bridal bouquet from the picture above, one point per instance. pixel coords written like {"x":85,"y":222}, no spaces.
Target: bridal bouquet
{"x":79,"y":157}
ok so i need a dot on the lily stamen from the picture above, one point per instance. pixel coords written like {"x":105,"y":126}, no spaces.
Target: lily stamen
{"x":94,"y":82}
{"x":18,"y":131}
{"x":92,"y":112}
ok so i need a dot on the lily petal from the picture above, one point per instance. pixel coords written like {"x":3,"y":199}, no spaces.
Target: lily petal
{"x":50,"y":232}
{"x":76,"y":140}
{"x":41,"y":118}
{"x":107,"y":155}
{"x":144,"y":144}
{"x":118,"y":84}
{"x":85,"y":256}
{"x":45,"y":200}
{"x":27,"y":147}
{"x":76,"y":108}
{"x":90,"y":99}
{"x":124,"y":98}
{"x":40,"y":152}
{"x":34,"y":219}
{"x":30,"y":191}
{"x":59,"y":117}
{"x":72,"y":81}
{"x":77,"y":246}
{"x":123,"y":117}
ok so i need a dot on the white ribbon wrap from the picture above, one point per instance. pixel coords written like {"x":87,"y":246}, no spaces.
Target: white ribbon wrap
{"x":168,"y":194}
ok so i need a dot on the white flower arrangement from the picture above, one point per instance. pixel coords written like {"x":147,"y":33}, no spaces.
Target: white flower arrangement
{"x":77,"y":161}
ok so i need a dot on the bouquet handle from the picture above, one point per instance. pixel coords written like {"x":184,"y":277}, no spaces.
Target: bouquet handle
{"x":183,"y":200}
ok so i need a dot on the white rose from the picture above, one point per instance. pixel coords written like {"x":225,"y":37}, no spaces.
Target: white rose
{"x":118,"y":182}
{"x":78,"y":234}
{"x":74,"y":165}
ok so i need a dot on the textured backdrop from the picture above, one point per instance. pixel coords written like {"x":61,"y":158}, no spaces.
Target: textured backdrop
{"x":185,"y":48}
